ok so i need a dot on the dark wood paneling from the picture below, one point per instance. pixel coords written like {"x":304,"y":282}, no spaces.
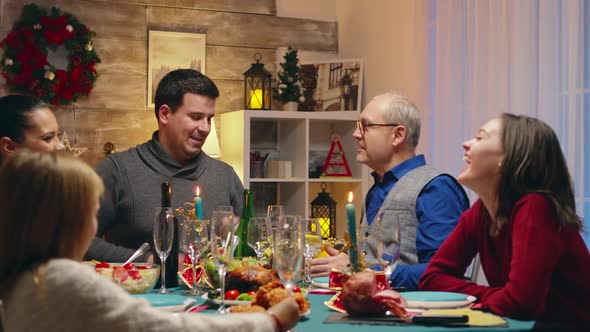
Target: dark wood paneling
{"x":225,"y":62}
{"x":116,"y":109}
{"x":248,"y":30}
{"x":267,"y":7}
{"x":106,"y":19}
{"x":121,"y":56}
{"x":231,"y":96}
{"x":117,"y":92}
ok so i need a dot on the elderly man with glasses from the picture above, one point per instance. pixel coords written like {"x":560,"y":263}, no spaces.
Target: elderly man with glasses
{"x":425,"y":202}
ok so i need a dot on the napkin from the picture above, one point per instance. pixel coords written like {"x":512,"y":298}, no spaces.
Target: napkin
{"x":476,"y":317}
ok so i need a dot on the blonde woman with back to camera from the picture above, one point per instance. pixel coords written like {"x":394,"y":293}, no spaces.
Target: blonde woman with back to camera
{"x":48,"y":205}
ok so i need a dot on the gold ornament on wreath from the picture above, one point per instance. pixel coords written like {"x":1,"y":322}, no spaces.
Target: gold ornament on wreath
{"x":25,"y":65}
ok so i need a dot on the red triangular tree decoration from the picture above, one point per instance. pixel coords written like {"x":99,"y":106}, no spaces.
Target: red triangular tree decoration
{"x":336,"y":164}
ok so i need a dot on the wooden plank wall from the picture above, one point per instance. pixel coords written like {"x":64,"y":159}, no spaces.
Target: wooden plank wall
{"x":116,"y":109}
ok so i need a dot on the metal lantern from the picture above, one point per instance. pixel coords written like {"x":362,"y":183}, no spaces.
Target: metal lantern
{"x":345,"y":89}
{"x":257,"y":91}
{"x":323,"y":208}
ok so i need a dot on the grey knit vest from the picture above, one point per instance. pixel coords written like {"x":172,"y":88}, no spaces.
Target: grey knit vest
{"x":400,"y":205}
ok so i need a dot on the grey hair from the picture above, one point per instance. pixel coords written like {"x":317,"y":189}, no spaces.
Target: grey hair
{"x":397,"y":108}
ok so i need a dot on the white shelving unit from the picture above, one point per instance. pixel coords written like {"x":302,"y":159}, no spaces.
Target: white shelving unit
{"x":291,"y":136}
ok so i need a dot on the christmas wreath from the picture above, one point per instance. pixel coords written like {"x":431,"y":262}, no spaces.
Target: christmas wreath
{"x":24,"y":63}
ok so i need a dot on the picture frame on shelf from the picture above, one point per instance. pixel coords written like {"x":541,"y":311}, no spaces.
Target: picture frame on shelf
{"x":332,"y":85}
{"x":168,"y":51}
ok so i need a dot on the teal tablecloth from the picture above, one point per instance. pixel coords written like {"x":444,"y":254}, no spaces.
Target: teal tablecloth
{"x":319,"y":312}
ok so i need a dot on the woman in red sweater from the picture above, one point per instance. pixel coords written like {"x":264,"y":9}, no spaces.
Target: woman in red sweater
{"x":524,"y":227}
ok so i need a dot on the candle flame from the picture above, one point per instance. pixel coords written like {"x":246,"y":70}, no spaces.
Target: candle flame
{"x":198,"y":191}
{"x":350,"y":197}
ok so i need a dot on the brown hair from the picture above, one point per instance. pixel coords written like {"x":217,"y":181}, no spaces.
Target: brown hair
{"x":533,"y":163}
{"x":177,"y":83}
{"x":46,"y":202}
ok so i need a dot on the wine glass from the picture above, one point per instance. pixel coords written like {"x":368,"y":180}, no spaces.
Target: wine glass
{"x":258,"y":236}
{"x":288,"y":251}
{"x":193,"y":241}
{"x":221,"y":242}
{"x":312,"y":244}
{"x":274,"y":216}
{"x":387,"y":243}
{"x":163,"y":238}
{"x":225,"y":208}
{"x":230,"y":209}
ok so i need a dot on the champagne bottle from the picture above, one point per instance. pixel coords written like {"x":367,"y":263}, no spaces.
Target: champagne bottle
{"x":172,"y":260}
{"x":243,"y":249}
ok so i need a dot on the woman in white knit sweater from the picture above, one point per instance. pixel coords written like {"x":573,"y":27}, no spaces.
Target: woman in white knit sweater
{"x":48,"y":205}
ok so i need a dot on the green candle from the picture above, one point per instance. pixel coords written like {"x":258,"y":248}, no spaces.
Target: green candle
{"x":198,"y":204}
{"x":354,"y":258}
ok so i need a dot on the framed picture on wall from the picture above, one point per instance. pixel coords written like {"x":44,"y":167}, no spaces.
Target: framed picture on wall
{"x":168,"y":51}
{"x":333,"y":85}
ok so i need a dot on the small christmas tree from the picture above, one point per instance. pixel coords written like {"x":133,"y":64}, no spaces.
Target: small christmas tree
{"x":290,"y":87}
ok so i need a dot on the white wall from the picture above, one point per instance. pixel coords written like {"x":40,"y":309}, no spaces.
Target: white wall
{"x":390,"y":37}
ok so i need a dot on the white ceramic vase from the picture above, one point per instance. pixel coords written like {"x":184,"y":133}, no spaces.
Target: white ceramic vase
{"x":291,"y":106}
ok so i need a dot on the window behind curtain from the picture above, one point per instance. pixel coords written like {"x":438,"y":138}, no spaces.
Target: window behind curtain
{"x":586,"y":98}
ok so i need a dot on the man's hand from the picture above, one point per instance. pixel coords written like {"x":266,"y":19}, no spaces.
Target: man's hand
{"x":320,"y":267}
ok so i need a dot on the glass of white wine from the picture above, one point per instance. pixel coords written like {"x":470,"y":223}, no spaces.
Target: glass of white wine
{"x":258,"y":236}
{"x":387,"y":243}
{"x":312,"y":244}
{"x":288,"y":250}
{"x":220,"y":241}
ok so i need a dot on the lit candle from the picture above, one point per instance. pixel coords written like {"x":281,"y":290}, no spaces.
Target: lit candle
{"x":256,"y":99}
{"x":354,"y":258}
{"x":198,"y":204}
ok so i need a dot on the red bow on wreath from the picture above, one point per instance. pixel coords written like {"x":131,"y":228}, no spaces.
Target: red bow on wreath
{"x":55,"y":31}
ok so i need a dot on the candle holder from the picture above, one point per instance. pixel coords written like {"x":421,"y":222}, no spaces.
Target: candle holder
{"x":360,"y":264}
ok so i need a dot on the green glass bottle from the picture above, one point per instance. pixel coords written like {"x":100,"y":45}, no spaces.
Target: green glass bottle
{"x":243,"y":249}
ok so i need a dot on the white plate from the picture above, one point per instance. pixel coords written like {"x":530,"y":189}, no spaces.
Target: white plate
{"x":227,"y":302}
{"x":304,"y":315}
{"x":437,"y":300}
{"x":320,"y":282}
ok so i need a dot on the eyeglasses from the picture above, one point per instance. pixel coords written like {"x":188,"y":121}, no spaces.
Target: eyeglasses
{"x":362,"y":126}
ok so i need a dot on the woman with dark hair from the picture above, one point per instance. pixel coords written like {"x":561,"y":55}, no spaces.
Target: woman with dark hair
{"x":524,"y":228}
{"x":48,"y":206}
{"x":28,"y":122}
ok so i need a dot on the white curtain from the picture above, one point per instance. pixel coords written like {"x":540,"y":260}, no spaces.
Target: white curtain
{"x":526,"y":57}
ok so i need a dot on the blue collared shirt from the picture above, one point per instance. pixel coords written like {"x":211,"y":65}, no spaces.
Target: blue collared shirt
{"x":438,"y":208}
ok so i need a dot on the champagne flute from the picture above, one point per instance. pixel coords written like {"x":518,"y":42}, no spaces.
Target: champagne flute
{"x":258,"y":236}
{"x":163,"y":233}
{"x":274,"y":216}
{"x":387,"y":244}
{"x":194,"y":240}
{"x":225,"y":208}
{"x":312,"y":244}
{"x":230,"y":209}
{"x":289,"y":250}
{"x":221,"y":243}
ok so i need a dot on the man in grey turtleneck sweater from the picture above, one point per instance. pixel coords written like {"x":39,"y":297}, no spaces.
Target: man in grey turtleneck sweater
{"x":185,"y":104}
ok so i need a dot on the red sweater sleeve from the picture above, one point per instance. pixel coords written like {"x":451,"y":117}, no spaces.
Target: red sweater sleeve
{"x":536,"y":245}
{"x":447,"y":268}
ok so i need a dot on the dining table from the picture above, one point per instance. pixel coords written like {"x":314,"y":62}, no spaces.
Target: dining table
{"x":319,"y":312}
